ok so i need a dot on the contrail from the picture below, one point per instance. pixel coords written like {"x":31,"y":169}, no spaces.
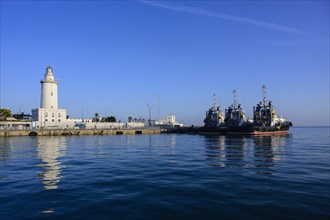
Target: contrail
{"x":263,"y":24}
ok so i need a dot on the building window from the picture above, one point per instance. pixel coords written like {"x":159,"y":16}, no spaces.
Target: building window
{"x":52,"y":119}
{"x":59,"y":120}
{"x":59,"y":114}
{"x":46,"y":119}
{"x":53,"y":115}
{"x":46,"y":114}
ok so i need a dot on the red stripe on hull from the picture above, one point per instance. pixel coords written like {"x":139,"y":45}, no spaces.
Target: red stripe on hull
{"x":259,"y":133}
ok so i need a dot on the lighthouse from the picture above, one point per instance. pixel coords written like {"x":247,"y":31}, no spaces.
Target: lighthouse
{"x":49,"y":115}
{"x":49,"y":97}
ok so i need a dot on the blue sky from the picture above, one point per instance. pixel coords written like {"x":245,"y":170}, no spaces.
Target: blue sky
{"x":115,"y":57}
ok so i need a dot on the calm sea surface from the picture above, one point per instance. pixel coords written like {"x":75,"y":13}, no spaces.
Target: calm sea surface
{"x":168,"y":176}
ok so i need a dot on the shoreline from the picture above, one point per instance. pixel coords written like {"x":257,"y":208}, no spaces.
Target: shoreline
{"x":76,"y":132}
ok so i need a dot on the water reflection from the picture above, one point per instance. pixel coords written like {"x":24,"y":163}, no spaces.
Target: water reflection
{"x":267,"y":151}
{"x":5,"y":148}
{"x":162,"y":140}
{"x":260,"y":153}
{"x":163,"y":146}
{"x":226,"y":151}
{"x":50,"y":149}
{"x":215,"y":150}
{"x":235,"y":151}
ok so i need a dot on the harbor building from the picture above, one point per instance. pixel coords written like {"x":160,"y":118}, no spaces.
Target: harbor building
{"x":169,"y":121}
{"x":48,"y":115}
{"x":14,"y":122}
{"x":22,"y":116}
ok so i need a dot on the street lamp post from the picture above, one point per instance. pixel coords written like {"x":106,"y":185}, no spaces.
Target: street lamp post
{"x":82,"y":115}
{"x":150,"y":108}
{"x":19,"y":110}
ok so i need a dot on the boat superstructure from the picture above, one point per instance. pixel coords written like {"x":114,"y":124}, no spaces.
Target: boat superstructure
{"x":214,"y":116}
{"x":235,"y":115}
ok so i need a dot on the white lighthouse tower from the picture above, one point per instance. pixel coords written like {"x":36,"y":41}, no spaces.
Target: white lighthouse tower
{"x":49,"y":97}
{"x":49,"y":115}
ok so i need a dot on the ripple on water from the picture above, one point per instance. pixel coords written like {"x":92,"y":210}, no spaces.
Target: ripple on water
{"x":167,"y":176}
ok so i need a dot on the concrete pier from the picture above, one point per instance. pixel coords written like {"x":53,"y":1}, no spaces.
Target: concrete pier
{"x":69,"y":132}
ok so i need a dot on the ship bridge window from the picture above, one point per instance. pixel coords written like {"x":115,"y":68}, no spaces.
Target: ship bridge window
{"x":265,"y":112}
{"x":235,"y":114}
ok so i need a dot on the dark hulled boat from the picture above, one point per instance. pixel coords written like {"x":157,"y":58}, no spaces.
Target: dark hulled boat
{"x":265,"y":121}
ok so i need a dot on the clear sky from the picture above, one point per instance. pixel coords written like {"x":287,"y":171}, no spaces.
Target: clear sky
{"x":115,"y":57}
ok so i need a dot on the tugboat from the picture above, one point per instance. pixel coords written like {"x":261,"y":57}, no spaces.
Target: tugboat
{"x":235,"y":120}
{"x":214,"y":120}
{"x":265,"y":119}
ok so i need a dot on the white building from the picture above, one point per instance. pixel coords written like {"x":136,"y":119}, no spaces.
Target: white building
{"x":48,"y":115}
{"x":169,"y":121}
{"x":13,"y":124}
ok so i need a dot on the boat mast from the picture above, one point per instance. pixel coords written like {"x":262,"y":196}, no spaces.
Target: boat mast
{"x":264,"y":94}
{"x":235,"y":100}
{"x":214,"y":102}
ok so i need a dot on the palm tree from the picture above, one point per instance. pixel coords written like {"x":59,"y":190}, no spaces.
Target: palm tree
{"x":130,"y":119}
{"x":4,"y":114}
{"x":96,"y":118}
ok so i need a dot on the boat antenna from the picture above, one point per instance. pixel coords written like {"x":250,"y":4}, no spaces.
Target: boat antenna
{"x":235,"y":95}
{"x":158,"y":109}
{"x":214,"y":101}
{"x":264,"y":88}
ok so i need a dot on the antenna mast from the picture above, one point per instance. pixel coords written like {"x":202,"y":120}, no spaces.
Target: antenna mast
{"x":235,"y":100}
{"x":158,"y":108}
{"x":264,"y":88}
{"x":214,"y":102}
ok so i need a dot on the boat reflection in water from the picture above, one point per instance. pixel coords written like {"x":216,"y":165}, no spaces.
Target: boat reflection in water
{"x":267,"y":151}
{"x":215,"y":150}
{"x":50,"y":149}
{"x":235,"y":151}
{"x":259,"y":153}
{"x":227,"y":151}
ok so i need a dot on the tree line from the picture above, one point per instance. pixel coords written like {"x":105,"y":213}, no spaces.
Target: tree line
{"x":99,"y":118}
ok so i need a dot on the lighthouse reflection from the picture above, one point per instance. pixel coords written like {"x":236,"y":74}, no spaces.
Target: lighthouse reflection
{"x":50,"y":149}
{"x":259,"y":153}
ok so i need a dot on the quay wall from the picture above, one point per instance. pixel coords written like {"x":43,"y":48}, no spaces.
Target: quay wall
{"x":68,"y":132}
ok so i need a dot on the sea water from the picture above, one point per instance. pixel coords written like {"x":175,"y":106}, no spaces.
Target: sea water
{"x":167,"y":176}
